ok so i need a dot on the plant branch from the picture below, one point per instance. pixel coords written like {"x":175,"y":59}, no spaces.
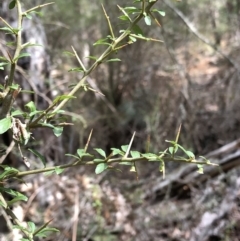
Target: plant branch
{"x":104,"y":55}
{"x":78,"y":59}
{"x":119,"y":160}
{"x":37,"y":7}
{"x":109,"y":23}
{"x":17,"y":222}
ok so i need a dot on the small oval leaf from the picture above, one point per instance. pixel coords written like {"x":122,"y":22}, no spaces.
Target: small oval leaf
{"x":5,"y":125}
{"x":100,"y":168}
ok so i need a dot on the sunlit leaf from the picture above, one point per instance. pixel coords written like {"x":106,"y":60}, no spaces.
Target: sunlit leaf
{"x":124,"y":147}
{"x":58,"y":170}
{"x":147,"y":20}
{"x":78,"y":69}
{"x":30,"y":106}
{"x":32,"y":226}
{"x":68,"y":53}
{"x":5,"y":125}
{"x":135,"y":154}
{"x":22,"y":55}
{"x":100,"y":168}
{"x":81,"y":153}
{"x":116,"y":151}
{"x":113,"y":60}
{"x":100,"y":151}
{"x":58,"y":131}
{"x":162,"y":13}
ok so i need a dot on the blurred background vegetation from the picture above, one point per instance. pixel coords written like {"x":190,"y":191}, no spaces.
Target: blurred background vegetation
{"x":155,"y":88}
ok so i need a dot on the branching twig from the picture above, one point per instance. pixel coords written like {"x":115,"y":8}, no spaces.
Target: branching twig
{"x":105,"y":54}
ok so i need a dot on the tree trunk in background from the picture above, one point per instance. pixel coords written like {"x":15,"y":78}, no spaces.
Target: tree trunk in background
{"x":32,"y":72}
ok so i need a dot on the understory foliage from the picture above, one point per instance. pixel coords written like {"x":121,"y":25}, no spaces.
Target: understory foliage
{"x":21,"y":124}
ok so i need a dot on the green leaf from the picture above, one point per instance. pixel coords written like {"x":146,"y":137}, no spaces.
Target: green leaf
{"x":58,"y":170}
{"x":188,"y":153}
{"x":172,"y":142}
{"x":3,"y":64}
{"x":3,"y":205}
{"x":27,"y":91}
{"x":5,"y":125}
{"x":137,"y":30}
{"x":78,"y":69}
{"x":132,"y":39}
{"x":62,"y":97}
{"x":172,"y":150}
{"x":14,"y":86}
{"x":8,"y":171}
{"x":16,"y":199}
{"x":81,"y":153}
{"x":44,"y":233}
{"x":113,"y":60}
{"x":32,"y":114}
{"x":42,"y":158}
{"x":103,"y":41}
{"x":12,"y":4}
{"x":116,"y":151}
{"x":17,"y":113}
{"x":135,"y":154}
{"x":13,"y":193}
{"x":4,"y":59}
{"x":22,"y":55}
{"x":69,"y":53}
{"x":11,"y":43}
{"x":40,"y":14}
{"x":162,"y":13}
{"x":8,"y":30}
{"x":20,"y":228}
{"x":49,"y":173}
{"x":28,"y":16}
{"x":72,"y":156}
{"x":125,"y":13}
{"x":132,"y":10}
{"x":124,"y":18}
{"x":150,"y":156}
{"x":92,"y":57}
{"x":57,"y":131}
{"x":26,"y":45}
{"x":30,"y":106}
{"x":32,"y":226}
{"x":100,"y":151}
{"x":100,"y":168}
{"x":124,"y":147}
{"x":147,"y":20}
